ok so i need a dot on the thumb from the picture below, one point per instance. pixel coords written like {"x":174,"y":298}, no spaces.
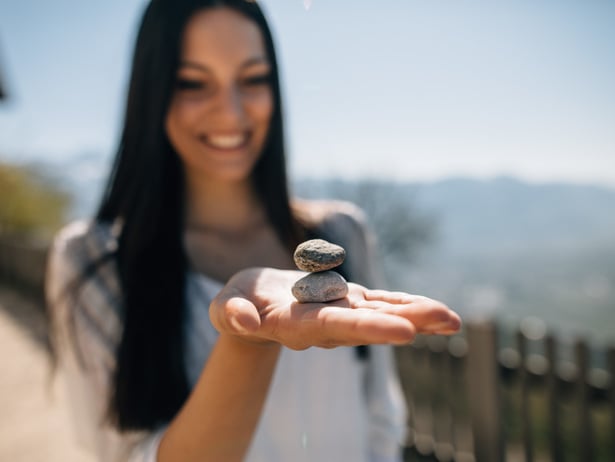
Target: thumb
{"x":234,"y":315}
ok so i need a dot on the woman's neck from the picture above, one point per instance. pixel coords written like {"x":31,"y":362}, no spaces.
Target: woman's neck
{"x":221,"y":206}
{"x":227,"y":230}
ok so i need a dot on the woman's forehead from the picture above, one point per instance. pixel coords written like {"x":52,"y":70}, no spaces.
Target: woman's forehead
{"x":222,"y":34}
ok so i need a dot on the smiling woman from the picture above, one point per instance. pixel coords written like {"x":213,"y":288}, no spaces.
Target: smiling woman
{"x":172,"y":308}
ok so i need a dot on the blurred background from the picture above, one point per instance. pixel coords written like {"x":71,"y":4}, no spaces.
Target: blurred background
{"x":477,"y":136}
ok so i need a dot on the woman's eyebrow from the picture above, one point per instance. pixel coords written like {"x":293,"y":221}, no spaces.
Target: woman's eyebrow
{"x":255,"y":61}
{"x":194,"y":65}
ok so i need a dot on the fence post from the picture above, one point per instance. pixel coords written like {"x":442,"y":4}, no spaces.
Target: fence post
{"x":553,"y":391}
{"x":524,"y":378}
{"x":484,"y":392}
{"x":584,"y":422}
{"x":611,"y":369}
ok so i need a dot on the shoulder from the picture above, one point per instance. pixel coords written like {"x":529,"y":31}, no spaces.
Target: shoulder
{"x":82,"y":285}
{"x":346,"y":224}
{"x":331,"y":215}
{"x":85,"y":240}
{"x":79,"y":250}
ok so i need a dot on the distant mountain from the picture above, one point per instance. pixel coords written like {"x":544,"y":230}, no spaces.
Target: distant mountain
{"x":500,"y":216}
{"x":506,"y":215}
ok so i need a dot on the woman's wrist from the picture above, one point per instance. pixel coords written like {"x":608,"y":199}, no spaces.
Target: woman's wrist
{"x":248,"y":342}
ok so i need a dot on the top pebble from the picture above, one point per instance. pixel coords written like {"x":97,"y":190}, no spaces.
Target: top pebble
{"x":318,"y":255}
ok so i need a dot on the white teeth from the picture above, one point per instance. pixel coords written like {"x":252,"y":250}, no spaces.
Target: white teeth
{"x":226,"y":141}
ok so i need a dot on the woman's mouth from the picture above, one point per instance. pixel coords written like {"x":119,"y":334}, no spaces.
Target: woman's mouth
{"x":226,"y":142}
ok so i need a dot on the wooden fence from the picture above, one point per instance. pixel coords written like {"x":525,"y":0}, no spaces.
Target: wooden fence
{"x":483,"y":395}
{"x":490,"y":396}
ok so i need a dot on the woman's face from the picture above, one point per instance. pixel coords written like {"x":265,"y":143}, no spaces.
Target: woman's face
{"x":220,"y":111}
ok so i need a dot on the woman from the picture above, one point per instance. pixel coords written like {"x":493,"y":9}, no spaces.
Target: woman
{"x":179,"y":340}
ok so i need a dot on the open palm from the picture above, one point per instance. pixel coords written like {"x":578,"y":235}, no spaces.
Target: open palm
{"x":258,"y":305}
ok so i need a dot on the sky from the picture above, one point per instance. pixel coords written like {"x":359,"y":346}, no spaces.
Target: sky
{"x":403,"y":89}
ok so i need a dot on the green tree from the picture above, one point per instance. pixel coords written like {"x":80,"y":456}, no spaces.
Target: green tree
{"x":32,"y":204}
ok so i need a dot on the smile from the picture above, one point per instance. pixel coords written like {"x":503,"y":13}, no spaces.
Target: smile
{"x":225,"y":141}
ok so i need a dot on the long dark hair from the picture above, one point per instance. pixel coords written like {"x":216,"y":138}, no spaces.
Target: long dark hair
{"x":145,"y":193}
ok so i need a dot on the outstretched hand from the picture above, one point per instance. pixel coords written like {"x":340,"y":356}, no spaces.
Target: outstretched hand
{"x":257,"y":305}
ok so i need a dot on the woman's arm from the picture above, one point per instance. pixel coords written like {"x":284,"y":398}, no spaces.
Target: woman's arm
{"x":219,"y":418}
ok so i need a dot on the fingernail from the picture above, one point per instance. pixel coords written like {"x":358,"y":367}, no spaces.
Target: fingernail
{"x":439,"y":327}
{"x":446,"y":332}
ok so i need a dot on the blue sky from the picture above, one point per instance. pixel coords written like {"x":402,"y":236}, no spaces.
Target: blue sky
{"x":403,"y":89}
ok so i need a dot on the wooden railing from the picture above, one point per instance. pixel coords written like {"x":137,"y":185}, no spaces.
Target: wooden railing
{"x":472,"y":398}
{"x":483,"y":395}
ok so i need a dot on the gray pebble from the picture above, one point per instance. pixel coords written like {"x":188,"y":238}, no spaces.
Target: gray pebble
{"x":320,"y":287}
{"x":318,"y":255}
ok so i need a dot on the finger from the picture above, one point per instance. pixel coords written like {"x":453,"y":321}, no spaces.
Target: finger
{"x":363,"y":326}
{"x":433,"y":318}
{"x":242,"y":315}
{"x":427,"y":315}
{"x":374,"y":327}
{"x":234,"y":314}
{"x":391,"y":297}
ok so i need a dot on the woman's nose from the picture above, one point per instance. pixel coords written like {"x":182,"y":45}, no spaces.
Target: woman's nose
{"x":229,"y":105}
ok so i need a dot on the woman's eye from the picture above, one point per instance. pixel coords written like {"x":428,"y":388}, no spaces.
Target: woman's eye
{"x":186,"y":84}
{"x":257,"y":80}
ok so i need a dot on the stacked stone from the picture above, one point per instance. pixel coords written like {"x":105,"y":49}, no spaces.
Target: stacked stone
{"x":319,"y":257}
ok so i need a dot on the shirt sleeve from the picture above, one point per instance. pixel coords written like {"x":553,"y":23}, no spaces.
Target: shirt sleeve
{"x":86,"y":331}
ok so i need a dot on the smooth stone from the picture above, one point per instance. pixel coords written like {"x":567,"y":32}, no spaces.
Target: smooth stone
{"x":321,"y":287}
{"x":318,"y":255}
